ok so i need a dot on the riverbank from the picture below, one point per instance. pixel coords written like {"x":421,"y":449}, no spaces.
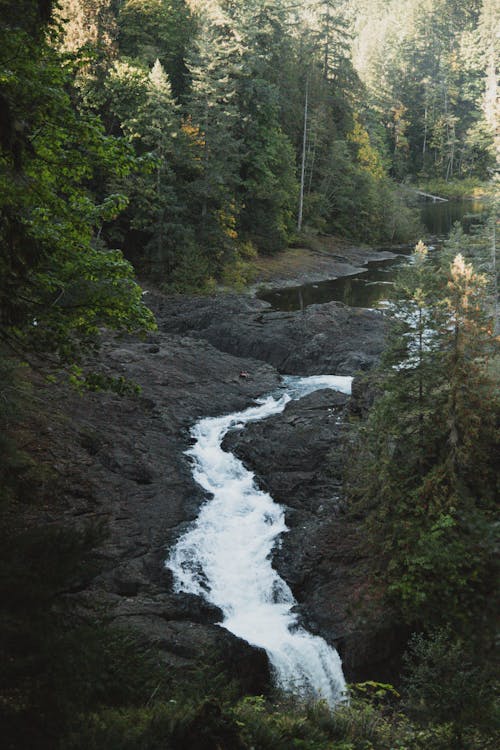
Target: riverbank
{"x":323,"y":258}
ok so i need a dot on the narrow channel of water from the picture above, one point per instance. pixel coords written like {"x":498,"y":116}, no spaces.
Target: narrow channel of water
{"x":226,"y":555}
{"x":370,"y":288}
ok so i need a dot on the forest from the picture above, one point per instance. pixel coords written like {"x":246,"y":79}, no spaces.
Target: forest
{"x":172,"y":145}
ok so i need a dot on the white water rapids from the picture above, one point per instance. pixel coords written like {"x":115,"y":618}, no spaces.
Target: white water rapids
{"x":225,"y":556}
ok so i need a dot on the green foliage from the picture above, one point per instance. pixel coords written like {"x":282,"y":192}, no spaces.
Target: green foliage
{"x":447,"y":682}
{"x":59,"y":283}
{"x":207,"y":724}
{"x":470,"y":187}
{"x":219,"y":167}
{"x":428,"y":68}
{"x":424,"y":479}
{"x":157,"y":29}
{"x":240,"y":272}
{"x":97,"y":381}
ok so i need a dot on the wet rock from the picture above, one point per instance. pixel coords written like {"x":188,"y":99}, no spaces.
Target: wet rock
{"x":329,"y":338}
{"x":290,"y":452}
{"x":298,"y":457}
{"x":123,"y":465}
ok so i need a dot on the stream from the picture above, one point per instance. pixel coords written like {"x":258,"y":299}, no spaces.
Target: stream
{"x":371,"y":287}
{"x":226,"y":555}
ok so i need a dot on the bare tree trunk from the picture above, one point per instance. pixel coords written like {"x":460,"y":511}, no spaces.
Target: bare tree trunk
{"x":494,"y":273}
{"x":303,"y":167}
{"x":424,"y":147}
{"x":313,"y":159}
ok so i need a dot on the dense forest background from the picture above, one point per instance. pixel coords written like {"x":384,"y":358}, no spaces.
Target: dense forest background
{"x":218,"y":128}
{"x":176,"y":140}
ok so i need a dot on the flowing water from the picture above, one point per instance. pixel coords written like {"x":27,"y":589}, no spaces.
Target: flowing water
{"x":226,"y":555}
{"x":371,"y":287}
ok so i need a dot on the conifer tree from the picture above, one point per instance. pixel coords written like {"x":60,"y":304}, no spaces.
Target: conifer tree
{"x":210,"y":120}
{"x":157,"y":29}
{"x":150,"y":119}
{"x":158,"y":204}
{"x":268,"y":184}
{"x":425,"y":473}
{"x":90,"y":34}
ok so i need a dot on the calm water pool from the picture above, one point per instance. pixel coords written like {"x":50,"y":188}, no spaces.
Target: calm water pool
{"x":371,"y":287}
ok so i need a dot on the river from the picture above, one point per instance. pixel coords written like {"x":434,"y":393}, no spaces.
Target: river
{"x":371,"y":287}
{"x":226,"y":555}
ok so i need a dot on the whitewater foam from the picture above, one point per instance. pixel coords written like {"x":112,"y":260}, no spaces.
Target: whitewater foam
{"x":226,"y":555}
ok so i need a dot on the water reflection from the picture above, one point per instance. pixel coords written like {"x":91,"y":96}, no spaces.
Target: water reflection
{"x":371,"y":288}
{"x":438,"y":218}
{"x":360,"y":290}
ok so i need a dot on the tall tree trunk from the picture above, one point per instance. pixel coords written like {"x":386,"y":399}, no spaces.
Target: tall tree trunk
{"x":496,"y":322}
{"x":303,"y":167}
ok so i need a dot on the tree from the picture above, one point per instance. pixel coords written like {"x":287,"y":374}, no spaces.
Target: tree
{"x":210,"y":121}
{"x":446,"y":682}
{"x":157,"y":29}
{"x":89,"y":35}
{"x":426,"y":470}
{"x":428,"y":67}
{"x":267,"y":193}
{"x":59,"y":283}
{"x":149,"y":118}
{"x":332,"y":38}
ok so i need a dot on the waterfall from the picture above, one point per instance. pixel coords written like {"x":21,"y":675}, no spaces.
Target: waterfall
{"x":225,"y":555}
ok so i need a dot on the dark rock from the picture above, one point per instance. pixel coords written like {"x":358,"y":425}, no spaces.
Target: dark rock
{"x":329,"y":338}
{"x":298,"y":458}
{"x":294,"y":452}
{"x":122,"y":464}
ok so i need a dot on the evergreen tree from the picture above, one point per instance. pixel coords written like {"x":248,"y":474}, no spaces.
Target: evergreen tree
{"x":268,"y":187}
{"x":150,"y":119}
{"x":210,"y":122}
{"x":89,"y":34}
{"x":426,"y":469}
{"x":429,"y":70}
{"x":157,"y":29}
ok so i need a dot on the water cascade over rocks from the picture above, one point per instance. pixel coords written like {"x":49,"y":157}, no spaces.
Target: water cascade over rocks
{"x":225,"y":556}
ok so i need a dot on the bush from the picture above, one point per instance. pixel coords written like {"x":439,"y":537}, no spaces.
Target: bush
{"x":448,"y":682}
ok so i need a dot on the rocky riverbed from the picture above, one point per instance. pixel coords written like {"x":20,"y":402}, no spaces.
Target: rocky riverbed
{"x":119,"y":460}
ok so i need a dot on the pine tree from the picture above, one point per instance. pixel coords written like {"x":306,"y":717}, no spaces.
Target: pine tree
{"x":268,"y":186}
{"x":157,"y":29}
{"x":149,"y":117}
{"x":210,"y":120}
{"x":90,"y":34}
{"x":158,"y":204}
{"x":425,"y":474}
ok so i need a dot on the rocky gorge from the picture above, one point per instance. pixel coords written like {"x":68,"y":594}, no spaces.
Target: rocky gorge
{"x":119,"y":461}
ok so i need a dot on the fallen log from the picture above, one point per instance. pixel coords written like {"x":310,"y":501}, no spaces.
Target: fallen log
{"x":434,"y":197}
